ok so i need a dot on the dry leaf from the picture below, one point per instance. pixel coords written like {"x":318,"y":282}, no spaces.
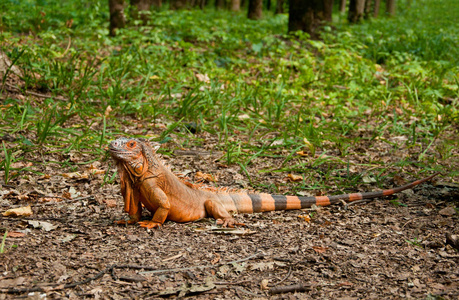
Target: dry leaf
{"x":66,"y":195}
{"x":294,"y":177}
{"x":205,"y":176}
{"x":203,"y":78}
{"x":107,"y":111}
{"x":19,"y":212}
{"x":76,"y":175}
{"x":264,"y":284}
{"x":320,"y":249}
{"x":306,"y":218}
{"x":15,"y":234}
{"x":97,"y":172}
{"x":216,"y":259}
{"x":42,"y":224}
{"x":110,"y":202}
{"x":302,"y":153}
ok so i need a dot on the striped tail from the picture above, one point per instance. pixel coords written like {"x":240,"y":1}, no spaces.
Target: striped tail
{"x":249,"y":203}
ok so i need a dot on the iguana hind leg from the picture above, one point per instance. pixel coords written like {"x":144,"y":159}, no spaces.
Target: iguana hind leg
{"x":216,"y":210}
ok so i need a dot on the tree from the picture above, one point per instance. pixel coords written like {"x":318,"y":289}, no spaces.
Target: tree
{"x":219,"y":4}
{"x":376,"y":8}
{"x":309,"y":15}
{"x":356,"y":11}
{"x":390,"y":7}
{"x":342,"y":6}
{"x":235,"y":5}
{"x":177,"y":4}
{"x":255,"y":9}
{"x":280,"y":7}
{"x":140,"y":6}
{"x":117,"y":17}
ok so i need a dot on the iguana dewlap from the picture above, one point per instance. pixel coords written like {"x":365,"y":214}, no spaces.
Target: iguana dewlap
{"x":144,"y":180}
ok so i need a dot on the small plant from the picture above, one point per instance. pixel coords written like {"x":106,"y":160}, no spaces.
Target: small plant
{"x":6,"y":163}
{"x":2,"y":246}
{"x":414,"y":242}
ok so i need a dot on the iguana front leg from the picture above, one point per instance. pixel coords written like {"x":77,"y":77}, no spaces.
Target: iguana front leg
{"x":157,"y":198}
{"x":132,"y":204}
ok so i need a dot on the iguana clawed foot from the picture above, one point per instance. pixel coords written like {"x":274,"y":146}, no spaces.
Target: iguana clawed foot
{"x":124,"y":222}
{"x":150,"y":224}
{"x":229,"y":222}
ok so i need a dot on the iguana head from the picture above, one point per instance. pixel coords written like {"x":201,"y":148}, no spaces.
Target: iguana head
{"x":131,"y":153}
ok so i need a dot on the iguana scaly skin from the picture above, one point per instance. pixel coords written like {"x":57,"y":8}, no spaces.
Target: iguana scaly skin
{"x":144,"y":180}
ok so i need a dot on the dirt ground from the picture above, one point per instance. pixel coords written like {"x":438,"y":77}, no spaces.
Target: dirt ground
{"x":71,"y":249}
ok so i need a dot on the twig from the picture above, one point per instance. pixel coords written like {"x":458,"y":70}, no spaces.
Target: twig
{"x":301,"y":287}
{"x":231,"y":283}
{"x":198,"y":267}
{"x":245,"y":291}
{"x":67,"y":199}
{"x":409,"y":221}
{"x":286,"y":276}
{"x":358,"y":202}
{"x":15,"y":89}
{"x":55,"y":287}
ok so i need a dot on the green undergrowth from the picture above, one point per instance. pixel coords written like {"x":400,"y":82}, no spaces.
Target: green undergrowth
{"x":258,"y":90}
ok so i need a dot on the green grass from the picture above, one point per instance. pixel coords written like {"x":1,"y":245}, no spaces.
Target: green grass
{"x":267,"y":91}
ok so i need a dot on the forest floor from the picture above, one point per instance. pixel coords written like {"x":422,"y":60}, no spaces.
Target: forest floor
{"x":70,"y":248}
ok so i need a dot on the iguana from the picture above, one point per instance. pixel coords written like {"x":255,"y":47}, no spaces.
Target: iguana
{"x":144,"y":180}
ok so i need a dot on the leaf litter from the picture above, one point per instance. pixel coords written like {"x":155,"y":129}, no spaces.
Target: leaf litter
{"x":374,"y":250}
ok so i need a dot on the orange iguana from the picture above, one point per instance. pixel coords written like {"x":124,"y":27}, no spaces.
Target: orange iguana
{"x":144,"y":180}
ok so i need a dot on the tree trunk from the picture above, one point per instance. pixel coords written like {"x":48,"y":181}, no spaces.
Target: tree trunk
{"x":117,"y":18}
{"x":342,"y":6}
{"x":368,"y":4}
{"x":306,"y":16}
{"x":356,"y":10}
{"x":268,"y":5}
{"x":376,"y":8}
{"x":140,"y":7}
{"x":177,"y":4}
{"x":390,"y":7}
{"x":235,"y":5}
{"x":255,"y":9}
{"x":328,"y":10}
{"x":156,"y":3}
{"x":219,"y":4}
{"x":280,"y":7}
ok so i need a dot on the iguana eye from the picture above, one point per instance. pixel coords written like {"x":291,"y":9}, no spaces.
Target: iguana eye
{"x":131,"y":144}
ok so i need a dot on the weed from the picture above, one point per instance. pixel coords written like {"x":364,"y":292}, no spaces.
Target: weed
{"x":6,"y":164}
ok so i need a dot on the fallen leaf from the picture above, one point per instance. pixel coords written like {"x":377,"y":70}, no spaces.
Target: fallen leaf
{"x":264,"y":284}
{"x":110,"y":203}
{"x":302,"y":153}
{"x":6,"y":283}
{"x":320,"y":249}
{"x":216,"y":259}
{"x":46,"y":226}
{"x":76,"y":175}
{"x":447,"y":211}
{"x":203,"y":78}
{"x":205,"y":176}
{"x":19,"y":212}
{"x":15,"y":234}
{"x":306,"y":218}
{"x":243,"y":117}
{"x":294,"y":177}
{"x":107,"y":111}
{"x":69,"y":238}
